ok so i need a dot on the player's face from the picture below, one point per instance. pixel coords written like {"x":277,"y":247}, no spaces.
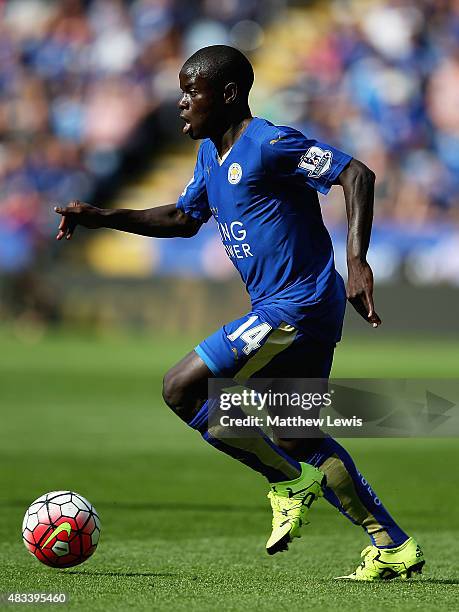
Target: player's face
{"x":201,"y":107}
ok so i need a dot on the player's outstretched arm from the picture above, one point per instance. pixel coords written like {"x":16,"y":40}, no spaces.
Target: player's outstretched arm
{"x":160,"y":222}
{"x":358,"y":184}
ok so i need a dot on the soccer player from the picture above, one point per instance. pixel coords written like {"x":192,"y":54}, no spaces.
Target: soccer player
{"x":260,"y":184}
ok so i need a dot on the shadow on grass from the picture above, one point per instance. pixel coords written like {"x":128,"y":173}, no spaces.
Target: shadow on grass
{"x":122,"y":574}
{"x":158,"y":506}
{"x":184,"y":506}
{"x":435,"y":581}
{"x":398,"y":582}
{"x":418,"y":581}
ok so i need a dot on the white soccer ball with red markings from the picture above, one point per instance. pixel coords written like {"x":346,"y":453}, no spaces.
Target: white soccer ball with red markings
{"x":61,"y":529}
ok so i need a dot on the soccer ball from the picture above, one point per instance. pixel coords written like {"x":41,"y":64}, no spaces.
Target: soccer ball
{"x":61,"y":529}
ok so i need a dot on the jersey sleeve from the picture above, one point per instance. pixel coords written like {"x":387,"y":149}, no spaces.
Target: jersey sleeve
{"x":291,"y":155}
{"x":193,"y":200}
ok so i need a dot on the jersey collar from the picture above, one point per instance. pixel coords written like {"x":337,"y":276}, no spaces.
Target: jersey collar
{"x":246,"y":132}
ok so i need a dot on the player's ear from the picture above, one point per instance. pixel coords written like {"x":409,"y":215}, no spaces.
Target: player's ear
{"x":230,"y":93}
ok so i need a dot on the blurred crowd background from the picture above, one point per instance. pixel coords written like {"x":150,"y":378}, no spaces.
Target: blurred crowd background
{"x":88,"y":93}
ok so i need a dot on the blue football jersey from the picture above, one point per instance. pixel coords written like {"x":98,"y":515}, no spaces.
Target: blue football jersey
{"x":263,"y":197}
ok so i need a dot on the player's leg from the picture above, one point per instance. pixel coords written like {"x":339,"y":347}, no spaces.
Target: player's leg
{"x":392,"y":553}
{"x":185,"y":392}
{"x":294,"y":485}
{"x":352,"y":495}
{"x":346,"y":488}
{"x":239,"y":350}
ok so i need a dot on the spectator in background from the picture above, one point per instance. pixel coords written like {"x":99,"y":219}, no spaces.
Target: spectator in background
{"x":74,"y":86}
{"x":78,"y":78}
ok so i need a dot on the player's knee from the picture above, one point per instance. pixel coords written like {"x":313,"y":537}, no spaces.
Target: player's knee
{"x":174,"y":392}
{"x":171,"y":390}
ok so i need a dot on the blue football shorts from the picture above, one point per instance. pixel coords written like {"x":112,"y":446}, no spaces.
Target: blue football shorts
{"x":260,"y":345}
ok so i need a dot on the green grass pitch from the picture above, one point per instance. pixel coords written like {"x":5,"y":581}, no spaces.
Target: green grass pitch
{"x":183,"y":526}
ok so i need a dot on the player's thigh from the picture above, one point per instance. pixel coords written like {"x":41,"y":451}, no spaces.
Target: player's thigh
{"x":234,"y":348}
{"x":260,"y":345}
{"x":301,"y":370}
{"x":305,"y":357}
{"x":222,"y":354}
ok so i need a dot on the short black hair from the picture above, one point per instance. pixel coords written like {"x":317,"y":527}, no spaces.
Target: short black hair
{"x":221,"y":64}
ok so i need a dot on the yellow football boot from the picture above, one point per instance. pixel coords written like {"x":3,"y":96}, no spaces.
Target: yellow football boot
{"x":387,"y":563}
{"x":290,"y":502}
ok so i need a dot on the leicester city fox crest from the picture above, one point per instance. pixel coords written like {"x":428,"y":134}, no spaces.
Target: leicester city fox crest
{"x":234,"y":173}
{"x":316,"y":161}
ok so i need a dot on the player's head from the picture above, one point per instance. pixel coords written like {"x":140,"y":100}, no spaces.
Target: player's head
{"x":215,"y":82}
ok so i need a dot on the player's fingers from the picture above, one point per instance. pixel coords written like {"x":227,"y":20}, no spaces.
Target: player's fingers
{"x":66,"y":227}
{"x":62,"y":229}
{"x":70,"y":228}
{"x":359,"y":306}
{"x":375,"y":320}
{"x":367,"y":296}
{"x":372,"y":316}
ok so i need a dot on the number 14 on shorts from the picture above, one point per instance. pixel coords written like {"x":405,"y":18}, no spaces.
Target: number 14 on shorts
{"x":252,"y":336}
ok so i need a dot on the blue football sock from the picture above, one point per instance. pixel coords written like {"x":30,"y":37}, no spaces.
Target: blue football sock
{"x":348,"y":491}
{"x":257,"y":452}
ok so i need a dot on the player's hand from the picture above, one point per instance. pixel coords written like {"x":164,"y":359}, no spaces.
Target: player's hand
{"x":77,"y":213}
{"x":360,"y":291}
